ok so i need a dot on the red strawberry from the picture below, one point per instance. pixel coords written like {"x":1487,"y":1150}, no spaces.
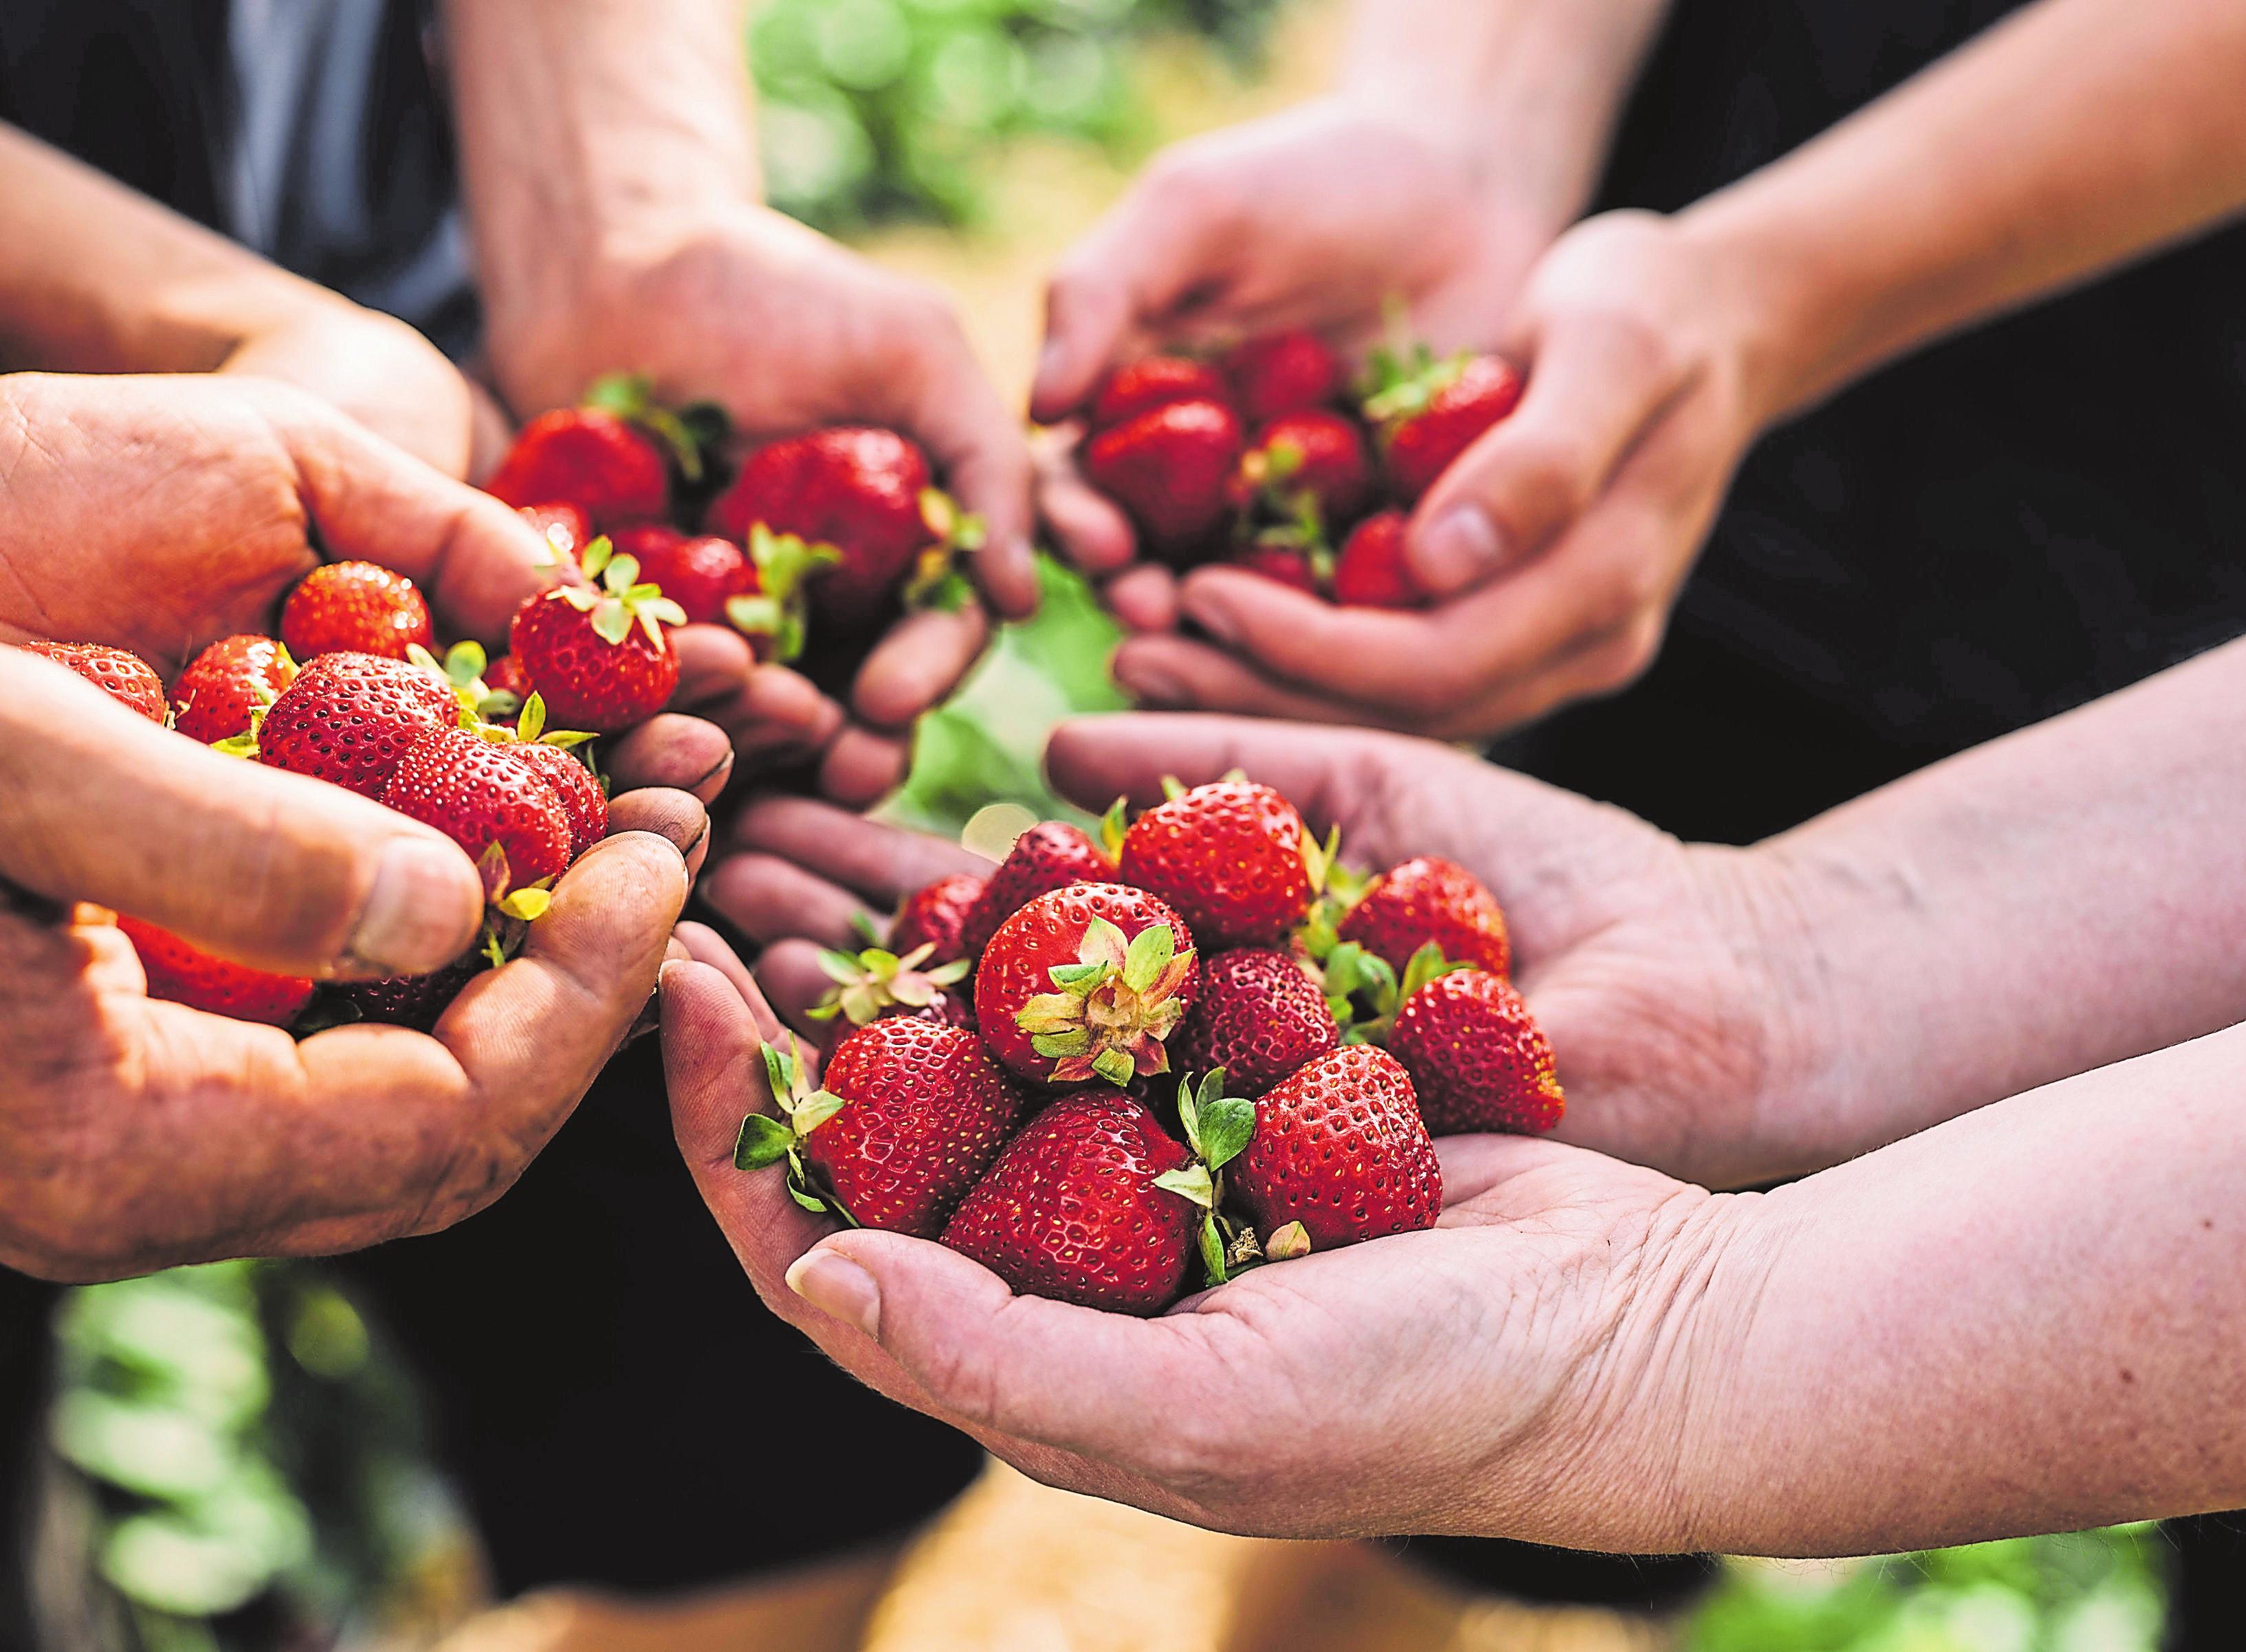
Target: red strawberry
{"x":1259,"y":1016}
{"x":589,"y":457}
{"x":183,"y":974}
{"x":490,"y":800}
{"x":598,"y":654}
{"x":1282,"y":373}
{"x":878,"y":982}
{"x":1287,"y":564}
{"x":1339,"y":1148}
{"x":1086,"y":982}
{"x":1233,"y":857}
{"x":935,"y":917}
{"x":1370,"y":571}
{"x":418,"y":1002}
{"x":584,"y":803}
{"x":226,"y":685}
{"x":1049,"y":856}
{"x":355,"y":608}
{"x":1428,"y":899}
{"x":564,"y":526}
{"x":1152,"y":382}
{"x":504,"y":676}
{"x":1171,"y":470}
{"x":1306,"y":463}
{"x":120,"y":673}
{"x":1073,"y":1210}
{"x":1477,"y":1057}
{"x":348,"y":719}
{"x":700,"y":574}
{"x":911,"y":1116}
{"x":1430,"y":418}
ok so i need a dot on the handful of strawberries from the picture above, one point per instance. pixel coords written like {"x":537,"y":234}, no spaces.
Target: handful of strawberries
{"x":1195,"y":1039}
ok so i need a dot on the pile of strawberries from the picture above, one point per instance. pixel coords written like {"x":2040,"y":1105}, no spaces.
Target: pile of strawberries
{"x":1197,"y":1037}
{"x":1268,"y":458}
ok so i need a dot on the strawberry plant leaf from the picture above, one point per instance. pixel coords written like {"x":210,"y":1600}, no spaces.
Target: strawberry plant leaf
{"x":595,"y":559}
{"x":1226,"y":1126}
{"x":1192,"y":1182}
{"x":1148,"y":957}
{"x":1173,"y":788}
{"x":612,"y":622}
{"x":1112,"y":826}
{"x":1115,"y":1067}
{"x":1057,"y":1046}
{"x":816,"y":1109}
{"x":763,"y":1141}
{"x":1212,"y":1251}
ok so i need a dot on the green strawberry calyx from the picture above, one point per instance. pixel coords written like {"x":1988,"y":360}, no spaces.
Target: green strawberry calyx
{"x":1217,"y":1128}
{"x":1364,"y":992}
{"x":936,"y":581}
{"x":869,"y":985}
{"x":777,"y":609}
{"x":689,"y":434}
{"x":766,"y":1140}
{"x":617,"y":599}
{"x":1112,"y":1008}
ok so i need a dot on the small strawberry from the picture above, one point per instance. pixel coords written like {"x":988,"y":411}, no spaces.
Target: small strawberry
{"x":355,"y":608}
{"x":1429,"y":900}
{"x":1151,"y":382}
{"x":1258,"y":1017}
{"x":555,"y":754}
{"x":1477,"y":1057}
{"x":220,"y":694}
{"x":877,"y":982}
{"x":607,"y":466}
{"x":701,"y":574}
{"x":911,"y":1116}
{"x":494,"y":803}
{"x":1287,"y":564}
{"x":120,"y":673}
{"x":598,"y":654}
{"x":349,"y":717}
{"x":1233,"y":857}
{"x":1075,"y":1208}
{"x":1084,"y":982}
{"x":934,"y":916}
{"x":1338,"y":1147}
{"x":1372,"y":572}
{"x":183,"y":974}
{"x":1305,"y":463}
{"x":1171,"y":470}
{"x":418,"y":1002}
{"x":1049,"y":856}
{"x":1429,"y":415}
{"x":1282,"y":373}
{"x":564,"y":527}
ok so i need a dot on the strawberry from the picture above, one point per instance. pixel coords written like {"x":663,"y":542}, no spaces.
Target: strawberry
{"x":226,"y":685}
{"x":355,"y":608}
{"x":1151,"y":382}
{"x":349,"y":717}
{"x":1287,"y":564}
{"x":506,"y":688}
{"x":773,"y":605}
{"x":1477,"y":1057}
{"x":120,"y":673}
{"x":936,"y":917}
{"x":1171,"y":469}
{"x":1074,"y":1208}
{"x":877,"y":982}
{"x":1428,"y":899}
{"x":1049,"y":856}
{"x":589,"y":457}
{"x":1310,"y":467}
{"x":186,"y":974}
{"x":599,"y":654}
{"x":1429,"y":416}
{"x":1086,"y":982}
{"x":701,"y":574}
{"x":563,"y":526}
{"x":418,"y":1002}
{"x":911,"y":1116}
{"x":1370,"y":571}
{"x":583,"y":804}
{"x":490,"y":800}
{"x":1233,"y":857}
{"x":1338,"y":1147}
{"x":1258,"y":1017}
{"x":1282,"y":373}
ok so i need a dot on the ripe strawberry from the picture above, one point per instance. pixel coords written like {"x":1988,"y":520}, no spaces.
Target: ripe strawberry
{"x":1259,"y":1016}
{"x":1287,"y":564}
{"x":1072,"y":1209}
{"x":878,"y":982}
{"x":1303,"y":463}
{"x":911,"y":1116}
{"x":1282,"y":373}
{"x":583,"y":804}
{"x":221,"y":691}
{"x":1429,"y":899}
{"x":1370,"y":571}
{"x":120,"y":673}
{"x":418,"y":1002}
{"x":1233,"y":857}
{"x":183,"y":974}
{"x":935,"y":917}
{"x":1049,"y":856}
{"x":598,"y":654}
{"x":355,"y":608}
{"x":1085,"y":982}
{"x":1154,"y":381}
{"x":1427,"y":419}
{"x":589,"y":457}
{"x":349,"y":717}
{"x":1171,"y":469}
{"x":564,"y":526}
{"x":1477,"y":1057}
{"x":490,"y":800}
{"x":1339,"y":1148}
{"x":701,"y":574}
{"x":504,"y":676}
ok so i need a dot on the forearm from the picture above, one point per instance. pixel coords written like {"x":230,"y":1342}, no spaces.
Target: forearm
{"x":2074,"y":137}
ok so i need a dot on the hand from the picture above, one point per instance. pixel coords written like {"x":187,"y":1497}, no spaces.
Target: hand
{"x":136,"y":1134}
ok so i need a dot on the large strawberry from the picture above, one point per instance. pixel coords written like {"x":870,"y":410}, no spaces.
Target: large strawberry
{"x":599,"y":654}
{"x":911,"y":1116}
{"x":349,"y":717}
{"x":1372,"y":570}
{"x":1234,"y":857}
{"x":1051,"y":855}
{"x":934,"y":916}
{"x":120,"y":674}
{"x":876,"y":983}
{"x":1279,"y":373}
{"x":1306,"y":470}
{"x":1171,"y":469}
{"x":228,"y":685}
{"x":1339,"y":1147}
{"x":1477,"y":1057}
{"x":1427,"y":900}
{"x":184,"y":974}
{"x":1075,"y":1208}
{"x":554,"y":753}
{"x":1086,"y":982}
{"x":356,"y":608}
{"x":607,"y":466}
{"x":491,"y":801}
{"x":1151,"y":382}
{"x":1258,"y":1017}
{"x":1430,"y":415}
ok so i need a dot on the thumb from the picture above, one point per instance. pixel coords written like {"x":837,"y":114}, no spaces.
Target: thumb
{"x":269,"y":869}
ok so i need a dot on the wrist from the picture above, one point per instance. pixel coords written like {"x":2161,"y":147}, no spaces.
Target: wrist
{"x":1767,"y":306}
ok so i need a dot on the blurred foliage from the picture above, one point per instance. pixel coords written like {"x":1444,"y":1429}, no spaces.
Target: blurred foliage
{"x":876,"y":109}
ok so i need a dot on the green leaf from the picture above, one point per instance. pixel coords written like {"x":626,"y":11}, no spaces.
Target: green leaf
{"x":612,"y":622}
{"x":1426,"y":965}
{"x":763,"y":1141}
{"x":1212,"y":1251}
{"x":1189,"y":1114}
{"x":1226,"y":1126}
{"x":1149,"y":954}
{"x":816,"y":1109}
{"x":1071,"y":976}
{"x":1104,"y":943}
{"x":841,"y":966}
{"x":1058,"y":1046}
{"x":811,"y":1203}
{"x":532,"y":722}
{"x":1115,"y":1067}
{"x":595,"y":557}
{"x":1173,"y":788}
{"x":1113,"y":827}
{"x":780,"y":1076}
{"x":1193,"y":1182}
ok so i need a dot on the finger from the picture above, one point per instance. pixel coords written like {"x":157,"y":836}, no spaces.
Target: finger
{"x":768,"y":898}
{"x":1090,"y":529}
{"x":668,"y":750}
{"x":268,"y":868}
{"x":918,"y":663}
{"x":674,"y":816}
{"x":861,"y":767}
{"x":705,"y":945}
{"x":714,"y":661}
{"x":881,"y":864}
{"x":792,"y":982}
{"x":984,"y":456}
{"x":769,"y":714}
{"x":1172,"y":673}
{"x":1144,"y":598}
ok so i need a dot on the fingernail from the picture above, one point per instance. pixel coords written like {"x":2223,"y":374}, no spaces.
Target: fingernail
{"x":1461,"y":547}
{"x":410,"y":922}
{"x":1051,"y":358}
{"x":1215,"y":619}
{"x":1152,"y":686}
{"x":838,"y":1288}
